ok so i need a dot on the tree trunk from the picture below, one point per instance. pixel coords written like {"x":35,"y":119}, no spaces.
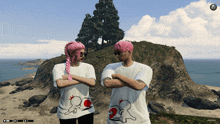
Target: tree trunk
{"x":102,"y":43}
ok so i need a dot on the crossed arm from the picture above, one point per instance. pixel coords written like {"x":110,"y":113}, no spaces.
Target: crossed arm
{"x":62,"y":83}
{"x":119,"y":81}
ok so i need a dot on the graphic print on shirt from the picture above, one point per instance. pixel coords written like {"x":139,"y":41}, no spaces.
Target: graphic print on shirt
{"x":78,"y":103}
{"x":121,"y":112}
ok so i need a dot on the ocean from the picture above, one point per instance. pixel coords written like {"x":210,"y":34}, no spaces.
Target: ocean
{"x":201,"y":71}
{"x":204,"y":71}
{"x":8,"y":69}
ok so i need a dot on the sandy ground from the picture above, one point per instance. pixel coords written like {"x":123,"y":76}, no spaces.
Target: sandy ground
{"x":10,"y":108}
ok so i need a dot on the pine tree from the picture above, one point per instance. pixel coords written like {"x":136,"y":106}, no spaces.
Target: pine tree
{"x":86,"y":32}
{"x":106,"y":22}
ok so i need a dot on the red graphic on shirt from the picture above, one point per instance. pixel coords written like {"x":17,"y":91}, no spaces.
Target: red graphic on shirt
{"x":71,"y":97}
{"x":78,"y":103}
{"x":121,"y":112}
{"x":120,"y":101}
{"x":113,"y":111}
{"x":87,"y":103}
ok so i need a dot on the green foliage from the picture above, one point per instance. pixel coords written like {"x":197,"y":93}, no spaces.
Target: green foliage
{"x":87,"y":32}
{"x":104,"y":24}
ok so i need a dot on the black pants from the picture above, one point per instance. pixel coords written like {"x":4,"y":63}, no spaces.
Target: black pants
{"x":86,"y":119}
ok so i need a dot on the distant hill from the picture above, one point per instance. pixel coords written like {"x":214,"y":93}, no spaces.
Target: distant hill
{"x":36,"y":62}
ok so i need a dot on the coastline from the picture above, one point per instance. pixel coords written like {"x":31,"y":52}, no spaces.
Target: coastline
{"x":13,"y":80}
{"x":213,"y":87}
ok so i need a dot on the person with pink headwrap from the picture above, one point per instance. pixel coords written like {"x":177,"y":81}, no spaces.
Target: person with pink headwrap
{"x":74,"y":78}
{"x":129,"y":81}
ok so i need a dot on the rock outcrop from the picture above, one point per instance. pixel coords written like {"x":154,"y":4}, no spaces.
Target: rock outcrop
{"x":170,"y":78}
{"x":22,"y":88}
{"x":24,"y":81}
{"x":35,"y":100}
{"x":28,"y":68}
{"x":36,"y":62}
{"x":156,"y":107}
{"x":4,"y":83}
{"x":199,"y":103}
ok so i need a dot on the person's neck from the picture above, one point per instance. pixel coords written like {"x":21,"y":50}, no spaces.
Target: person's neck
{"x":75,"y":65}
{"x":127,"y":63}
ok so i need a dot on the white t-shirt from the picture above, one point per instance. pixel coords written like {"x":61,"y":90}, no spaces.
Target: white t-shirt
{"x":128,"y":106}
{"x":74,"y":100}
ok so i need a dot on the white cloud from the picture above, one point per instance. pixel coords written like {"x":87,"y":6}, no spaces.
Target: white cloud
{"x":194,"y":30}
{"x":45,"y":49}
{"x":52,"y":49}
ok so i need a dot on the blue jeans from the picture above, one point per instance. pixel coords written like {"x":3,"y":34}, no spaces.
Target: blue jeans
{"x":85,"y":119}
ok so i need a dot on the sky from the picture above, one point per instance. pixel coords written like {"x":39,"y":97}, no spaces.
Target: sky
{"x":40,"y":29}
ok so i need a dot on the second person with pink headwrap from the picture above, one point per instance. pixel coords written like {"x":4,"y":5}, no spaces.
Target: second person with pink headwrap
{"x":129,"y":81}
{"x":74,"y":78}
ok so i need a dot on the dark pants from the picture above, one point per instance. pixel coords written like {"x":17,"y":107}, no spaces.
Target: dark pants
{"x":86,"y":119}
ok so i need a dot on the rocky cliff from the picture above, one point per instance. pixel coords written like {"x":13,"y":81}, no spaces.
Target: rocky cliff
{"x":170,"y":78}
{"x":36,"y":62}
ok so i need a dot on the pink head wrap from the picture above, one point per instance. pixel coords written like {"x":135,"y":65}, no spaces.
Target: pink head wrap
{"x":69,"y":48}
{"x":123,"y":46}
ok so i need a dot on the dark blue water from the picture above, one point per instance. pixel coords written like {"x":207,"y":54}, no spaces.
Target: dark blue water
{"x":9,"y":71}
{"x":204,"y":71}
{"x":201,"y":71}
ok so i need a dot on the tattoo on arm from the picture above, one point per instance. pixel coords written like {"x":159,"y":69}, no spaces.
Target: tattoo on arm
{"x":139,"y":81}
{"x":106,"y":79}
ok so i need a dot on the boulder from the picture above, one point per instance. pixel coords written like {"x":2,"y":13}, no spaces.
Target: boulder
{"x":159,"y":108}
{"x":26,"y":104}
{"x":35,"y":104}
{"x":156,"y":107}
{"x":12,"y":92}
{"x":199,"y":103}
{"x":53,"y":110}
{"x":37,"y":99}
{"x":23,"y":81}
{"x":5,"y":83}
{"x":22,"y":88}
{"x":217,"y":102}
{"x":216,"y":92}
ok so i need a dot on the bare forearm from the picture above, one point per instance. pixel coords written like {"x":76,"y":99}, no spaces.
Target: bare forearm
{"x":129,"y":82}
{"x":114,"y":83}
{"x":86,"y":81}
{"x":66,"y":83}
